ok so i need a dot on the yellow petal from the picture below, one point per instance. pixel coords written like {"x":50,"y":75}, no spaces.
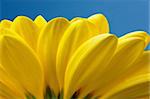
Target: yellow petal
{"x":149,"y":39}
{"x":139,"y":68}
{"x":47,"y":48}
{"x":141,"y":65}
{"x":9,"y":93}
{"x":133,"y":88}
{"x":101,"y":22}
{"x":86,"y":61}
{"x":5,"y":23}
{"x":6,"y":92}
{"x":128,"y":51}
{"x":7,"y":83}
{"x":3,"y":97}
{"x":140,"y":34}
{"x":27,"y":29}
{"x":40,"y":22}
{"x":76,"y":19}
{"x":75,"y":35}
{"x":6,"y":31}
{"x":19,"y":60}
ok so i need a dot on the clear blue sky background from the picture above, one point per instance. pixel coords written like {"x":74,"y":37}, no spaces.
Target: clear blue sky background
{"x":124,"y":15}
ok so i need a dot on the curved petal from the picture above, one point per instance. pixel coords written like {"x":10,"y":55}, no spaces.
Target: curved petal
{"x":142,"y":64}
{"x":75,"y":35}
{"x":83,"y":65}
{"x":140,"y":34}
{"x":101,"y":22}
{"x":40,"y":22}
{"x":19,"y":60}
{"x":27,"y":29}
{"x":128,"y":51}
{"x":76,"y":19}
{"x":134,"y":87}
{"x":140,"y":67}
{"x":47,"y":48}
{"x":5,"y":23}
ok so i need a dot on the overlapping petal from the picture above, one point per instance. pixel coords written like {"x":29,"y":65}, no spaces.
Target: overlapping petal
{"x":87,"y":60}
{"x":75,"y":35}
{"x":135,"y":83}
{"x":134,"y":87}
{"x":6,"y":31}
{"x":71,"y":59}
{"x":122,"y":61}
{"x":27,"y":29}
{"x":100,"y":22}
{"x":141,"y":34}
{"x":8,"y":85}
{"x":20,"y":61}
{"x":47,"y":48}
{"x":123,"y":58}
{"x":77,"y":19}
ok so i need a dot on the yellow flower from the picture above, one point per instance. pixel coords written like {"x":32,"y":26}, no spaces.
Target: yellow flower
{"x":62,"y":59}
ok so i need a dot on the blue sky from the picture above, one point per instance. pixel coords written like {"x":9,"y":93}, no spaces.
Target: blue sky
{"x":124,"y":15}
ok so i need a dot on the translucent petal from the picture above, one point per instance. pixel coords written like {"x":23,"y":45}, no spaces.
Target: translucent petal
{"x":47,"y":49}
{"x":75,"y":35}
{"x":20,"y":61}
{"x":27,"y":29}
{"x":87,"y":60}
{"x":101,"y":22}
